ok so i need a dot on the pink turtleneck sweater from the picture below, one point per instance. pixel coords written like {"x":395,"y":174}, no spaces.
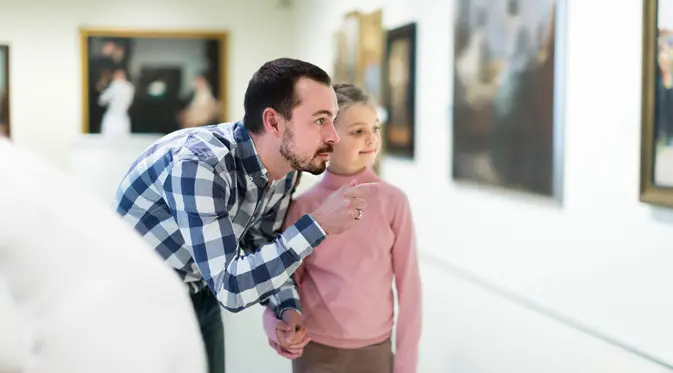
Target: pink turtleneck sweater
{"x":345,"y":285}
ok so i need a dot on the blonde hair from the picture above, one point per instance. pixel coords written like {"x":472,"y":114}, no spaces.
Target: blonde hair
{"x":350,"y":94}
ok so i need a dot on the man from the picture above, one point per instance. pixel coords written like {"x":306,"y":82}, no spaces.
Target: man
{"x":212,"y":200}
{"x":80,"y":292}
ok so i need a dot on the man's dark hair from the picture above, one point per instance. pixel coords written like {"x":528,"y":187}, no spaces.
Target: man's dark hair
{"x":272,"y":86}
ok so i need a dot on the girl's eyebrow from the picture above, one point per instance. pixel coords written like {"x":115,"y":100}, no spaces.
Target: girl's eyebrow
{"x":361,"y":123}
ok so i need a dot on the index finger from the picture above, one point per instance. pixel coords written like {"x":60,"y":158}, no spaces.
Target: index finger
{"x":362,"y":190}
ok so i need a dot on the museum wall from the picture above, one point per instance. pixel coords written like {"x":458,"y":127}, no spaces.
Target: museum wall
{"x":596,"y":257}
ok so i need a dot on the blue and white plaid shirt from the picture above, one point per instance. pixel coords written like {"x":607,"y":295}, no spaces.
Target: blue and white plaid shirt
{"x":202,"y":199}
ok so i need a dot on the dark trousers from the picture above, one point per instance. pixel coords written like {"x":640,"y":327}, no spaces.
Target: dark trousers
{"x":207,"y":310}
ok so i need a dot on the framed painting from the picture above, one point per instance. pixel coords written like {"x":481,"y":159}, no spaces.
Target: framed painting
{"x":372,"y":50}
{"x":399,"y":91}
{"x":656,"y":171}
{"x":4,"y":91}
{"x":359,"y":49}
{"x":507,"y":127}
{"x":358,"y":53}
{"x":347,"y":39}
{"x":152,"y":82}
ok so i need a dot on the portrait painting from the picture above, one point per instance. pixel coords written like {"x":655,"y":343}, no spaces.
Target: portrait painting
{"x":506,"y":127}
{"x":656,"y":172}
{"x":152,"y":82}
{"x":399,"y":91}
{"x":4,"y":91}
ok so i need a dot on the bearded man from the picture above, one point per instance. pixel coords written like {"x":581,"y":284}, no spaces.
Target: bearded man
{"x":211,"y":200}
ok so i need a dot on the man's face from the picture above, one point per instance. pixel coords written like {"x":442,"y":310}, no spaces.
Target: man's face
{"x":308,"y":137}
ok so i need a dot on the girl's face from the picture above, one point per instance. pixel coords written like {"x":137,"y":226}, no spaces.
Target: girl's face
{"x":360,"y":139}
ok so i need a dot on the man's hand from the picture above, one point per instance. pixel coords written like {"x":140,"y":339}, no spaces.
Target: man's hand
{"x":291,"y":334}
{"x":344,"y":207}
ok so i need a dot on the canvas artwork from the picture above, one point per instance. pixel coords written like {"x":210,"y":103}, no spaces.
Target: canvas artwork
{"x":358,"y":53}
{"x":372,"y":53}
{"x":656,"y":178}
{"x":152,"y":81}
{"x":506,"y":131}
{"x":4,"y":91}
{"x":399,"y":91}
{"x":347,"y":46}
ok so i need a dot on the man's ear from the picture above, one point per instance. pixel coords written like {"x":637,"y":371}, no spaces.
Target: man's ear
{"x":271,"y":119}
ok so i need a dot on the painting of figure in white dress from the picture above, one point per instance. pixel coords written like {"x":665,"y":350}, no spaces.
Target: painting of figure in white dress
{"x":505,"y":131}
{"x":152,"y":82}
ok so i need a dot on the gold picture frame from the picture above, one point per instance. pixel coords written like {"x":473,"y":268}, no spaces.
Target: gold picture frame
{"x":159,"y":71}
{"x":656,"y":180}
{"x":359,"y":53}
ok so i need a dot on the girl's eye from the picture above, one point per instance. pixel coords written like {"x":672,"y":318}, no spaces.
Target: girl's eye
{"x":377,"y":129}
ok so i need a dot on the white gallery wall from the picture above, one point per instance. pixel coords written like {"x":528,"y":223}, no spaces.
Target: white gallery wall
{"x":601,"y":258}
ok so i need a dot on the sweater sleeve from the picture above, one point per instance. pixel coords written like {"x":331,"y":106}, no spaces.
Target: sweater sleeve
{"x":408,"y":285}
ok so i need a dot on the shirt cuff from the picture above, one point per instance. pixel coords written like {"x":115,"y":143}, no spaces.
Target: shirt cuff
{"x":291,"y":305}
{"x":289,"y":300}
{"x":305,"y":235}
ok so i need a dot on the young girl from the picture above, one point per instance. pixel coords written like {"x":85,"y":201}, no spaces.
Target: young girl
{"x":345,"y":286}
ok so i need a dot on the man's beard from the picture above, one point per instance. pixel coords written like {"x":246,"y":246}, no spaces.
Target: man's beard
{"x":302,"y":163}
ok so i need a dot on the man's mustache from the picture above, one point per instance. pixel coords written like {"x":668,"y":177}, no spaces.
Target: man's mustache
{"x":327,"y":149}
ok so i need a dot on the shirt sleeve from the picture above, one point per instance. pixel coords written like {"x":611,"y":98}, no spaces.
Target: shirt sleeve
{"x":287,"y":296}
{"x":198,"y":198}
{"x":408,"y":285}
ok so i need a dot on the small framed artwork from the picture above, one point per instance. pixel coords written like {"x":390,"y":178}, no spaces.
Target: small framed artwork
{"x":152,"y":82}
{"x":656,"y":171}
{"x":399,"y":91}
{"x":4,"y":91}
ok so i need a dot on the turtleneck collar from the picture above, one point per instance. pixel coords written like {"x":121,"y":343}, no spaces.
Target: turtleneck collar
{"x":334,"y":181}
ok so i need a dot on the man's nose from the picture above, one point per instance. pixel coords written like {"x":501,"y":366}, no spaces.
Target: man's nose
{"x":331,"y":137}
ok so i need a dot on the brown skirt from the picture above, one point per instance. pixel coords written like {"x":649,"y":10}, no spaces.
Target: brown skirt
{"x":318,"y":358}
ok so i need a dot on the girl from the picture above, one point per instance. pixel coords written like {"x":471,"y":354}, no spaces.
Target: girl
{"x":346,"y":284}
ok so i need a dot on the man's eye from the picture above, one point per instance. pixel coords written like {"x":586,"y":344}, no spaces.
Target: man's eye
{"x":320,"y":121}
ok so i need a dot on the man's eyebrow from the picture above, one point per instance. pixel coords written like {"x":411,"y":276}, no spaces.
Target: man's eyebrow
{"x":323,"y":112}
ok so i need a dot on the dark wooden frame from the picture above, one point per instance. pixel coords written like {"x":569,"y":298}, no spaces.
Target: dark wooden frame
{"x":5,"y":101}
{"x":407,"y":31}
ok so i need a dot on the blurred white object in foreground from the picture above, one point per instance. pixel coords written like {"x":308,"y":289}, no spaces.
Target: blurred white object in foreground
{"x":79,"y":289}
